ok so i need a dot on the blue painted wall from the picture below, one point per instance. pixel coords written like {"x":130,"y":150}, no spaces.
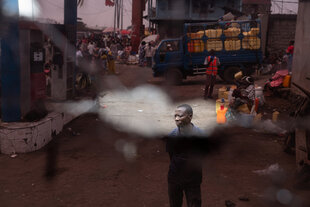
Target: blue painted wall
{"x":10,"y":68}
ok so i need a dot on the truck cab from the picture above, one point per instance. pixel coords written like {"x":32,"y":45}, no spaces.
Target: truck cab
{"x":168,"y":57}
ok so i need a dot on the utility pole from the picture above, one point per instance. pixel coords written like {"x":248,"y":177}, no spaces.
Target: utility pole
{"x":137,"y":27}
{"x":115,"y":10}
{"x":118,"y":13}
{"x":70,"y":21}
{"x":122,"y":13}
{"x":10,"y":68}
{"x":282,"y":8}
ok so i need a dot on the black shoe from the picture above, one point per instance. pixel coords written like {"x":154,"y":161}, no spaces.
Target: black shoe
{"x":210,"y":97}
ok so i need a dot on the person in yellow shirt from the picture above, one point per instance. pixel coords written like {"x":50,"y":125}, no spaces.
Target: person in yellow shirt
{"x":111,"y":64}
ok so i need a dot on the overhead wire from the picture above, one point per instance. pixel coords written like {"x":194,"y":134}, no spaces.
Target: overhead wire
{"x":281,"y":9}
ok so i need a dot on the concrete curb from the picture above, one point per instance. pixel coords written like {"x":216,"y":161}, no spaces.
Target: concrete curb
{"x":22,"y":137}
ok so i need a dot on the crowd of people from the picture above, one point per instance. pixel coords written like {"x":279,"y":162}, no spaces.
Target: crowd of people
{"x":101,"y":51}
{"x":97,"y":53}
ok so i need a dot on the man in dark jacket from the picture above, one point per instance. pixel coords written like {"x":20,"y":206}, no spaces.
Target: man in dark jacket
{"x":185,"y":170}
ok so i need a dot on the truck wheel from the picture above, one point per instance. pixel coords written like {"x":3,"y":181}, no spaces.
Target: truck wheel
{"x":174,"y":76}
{"x":229,"y":73}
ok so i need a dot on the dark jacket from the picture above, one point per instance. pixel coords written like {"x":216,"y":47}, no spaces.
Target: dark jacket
{"x":185,"y":157}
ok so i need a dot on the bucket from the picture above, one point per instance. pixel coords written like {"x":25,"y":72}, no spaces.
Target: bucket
{"x":246,"y":120}
{"x":286,"y":81}
{"x":219,"y":102}
{"x":221,"y":115}
{"x":260,"y":95}
{"x":275,"y":116}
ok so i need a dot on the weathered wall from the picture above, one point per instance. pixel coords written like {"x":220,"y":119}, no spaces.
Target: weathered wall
{"x":281,"y":29}
{"x":301,"y":60}
{"x":197,"y":10}
{"x":25,"y":83}
{"x":256,"y":8}
{"x":170,"y":29}
{"x":264,"y":29}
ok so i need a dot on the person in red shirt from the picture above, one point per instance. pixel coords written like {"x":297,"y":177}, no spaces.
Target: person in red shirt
{"x":290,"y":52}
{"x":290,"y":49}
{"x":212,"y":63}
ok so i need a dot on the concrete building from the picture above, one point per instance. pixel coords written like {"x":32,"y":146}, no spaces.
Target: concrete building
{"x":255,"y":7}
{"x":171,"y":15}
{"x":301,"y":81}
{"x":281,"y":30}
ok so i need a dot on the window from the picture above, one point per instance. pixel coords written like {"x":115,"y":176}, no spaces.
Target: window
{"x":170,"y":46}
{"x":202,"y":7}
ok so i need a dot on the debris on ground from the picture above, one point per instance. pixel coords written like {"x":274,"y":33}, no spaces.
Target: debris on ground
{"x":13,"y":155}
{"x":269,"y":126}
{"x":228,"y":203}
{"x":73,"y":133}
{"x":244,"y":198}
{"x":274,"y":168}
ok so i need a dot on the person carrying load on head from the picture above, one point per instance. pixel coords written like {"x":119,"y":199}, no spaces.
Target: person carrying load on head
{"x":212,"y":62}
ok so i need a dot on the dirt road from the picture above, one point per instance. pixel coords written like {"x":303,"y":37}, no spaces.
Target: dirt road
{"x":97,"y":165}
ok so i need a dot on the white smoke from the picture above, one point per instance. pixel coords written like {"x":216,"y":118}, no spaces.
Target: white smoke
{"x":146,"y":110}
{"x":76,"y":108}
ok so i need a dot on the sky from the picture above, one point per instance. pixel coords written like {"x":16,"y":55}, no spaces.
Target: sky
{"x":94,"y":12}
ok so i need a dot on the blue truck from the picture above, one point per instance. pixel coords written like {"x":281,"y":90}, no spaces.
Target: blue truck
{"x":236,"y":43}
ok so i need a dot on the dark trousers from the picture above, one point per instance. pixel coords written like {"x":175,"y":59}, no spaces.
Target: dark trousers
{"x":210,"y":81}
{"x":149,"y":61}
{"x":192,"y":193}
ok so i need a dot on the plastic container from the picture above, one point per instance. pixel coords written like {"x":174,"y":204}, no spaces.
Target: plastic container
{"x":258,"y":118}
{"x":287,"y":81}
{"x":275,"y":116}
{"x":254,"y":31}
{"x":221,"y":115}
{"x":252,"y":43}
{"x":221,"y":93}
{"x":190,"y":46}
{"x":220,"y":102}
{"x":260,"y":95}
{"x":214,"y":45}
{"x":219,"y":32}
{"x":226,"y":93}
{"x":256,"y":104}
{"x":199,"y":34}
{"x":196,"y":46}
{"x":246,"y":120}
{"x":202,"y":45}
{"x":244,"y":109}
{"x":211,"y":33}
{"x":238,"y":75}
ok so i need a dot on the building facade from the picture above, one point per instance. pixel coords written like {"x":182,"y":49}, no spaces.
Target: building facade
{"x":255,"y":7}
{"x":171,"y":15}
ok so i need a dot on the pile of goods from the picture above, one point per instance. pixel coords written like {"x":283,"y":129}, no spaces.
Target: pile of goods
{"x":232,"y":42}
